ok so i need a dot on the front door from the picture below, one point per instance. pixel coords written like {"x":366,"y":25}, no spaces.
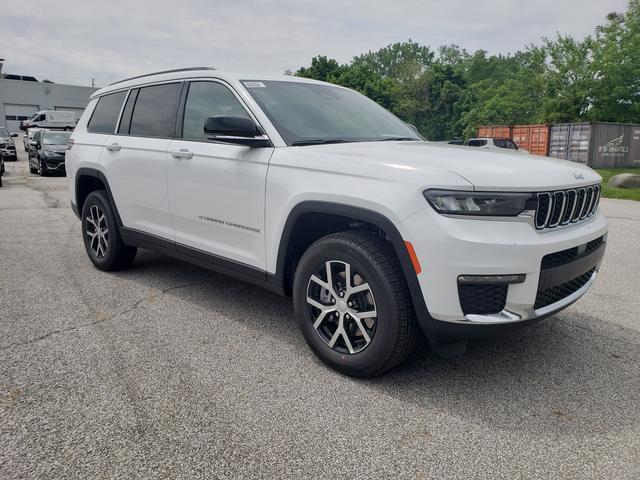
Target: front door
{"x":216,"y":190}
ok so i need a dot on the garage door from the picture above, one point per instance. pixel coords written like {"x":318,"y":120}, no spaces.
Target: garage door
{"x":13,"y":114}
{"x":71,"y":109}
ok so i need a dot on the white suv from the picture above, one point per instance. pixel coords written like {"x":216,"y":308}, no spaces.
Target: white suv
{"x":312,"y":190}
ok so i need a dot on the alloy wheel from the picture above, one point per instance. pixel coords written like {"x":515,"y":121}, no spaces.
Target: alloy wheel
{"x":342,"y":307}
{"x":98,"y":231}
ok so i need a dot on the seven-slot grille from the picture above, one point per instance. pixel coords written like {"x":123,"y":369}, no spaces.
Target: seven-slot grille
{"x":566,"y":206}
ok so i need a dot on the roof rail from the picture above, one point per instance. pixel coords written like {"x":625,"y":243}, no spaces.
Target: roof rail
{"x":189,"y":69}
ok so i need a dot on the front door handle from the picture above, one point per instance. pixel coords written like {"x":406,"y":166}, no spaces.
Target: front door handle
{"x":114,"y":147}
{"x":183,"y":153}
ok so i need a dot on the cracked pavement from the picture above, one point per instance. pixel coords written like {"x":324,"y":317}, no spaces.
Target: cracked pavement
{"x":170,"y":371}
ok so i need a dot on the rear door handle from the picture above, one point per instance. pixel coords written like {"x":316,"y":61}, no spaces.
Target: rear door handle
{"x":114,"y":147}
{"x":183,"y":153}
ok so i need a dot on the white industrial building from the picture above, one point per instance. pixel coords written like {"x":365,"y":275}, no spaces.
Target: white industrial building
{"x":19,"y":99}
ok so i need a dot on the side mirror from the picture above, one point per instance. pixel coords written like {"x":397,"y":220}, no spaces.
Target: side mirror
{"x":236,"y":129}
{"x":33,"y":144}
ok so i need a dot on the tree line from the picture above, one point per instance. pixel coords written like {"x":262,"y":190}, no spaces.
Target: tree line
{"x":448,"y":92}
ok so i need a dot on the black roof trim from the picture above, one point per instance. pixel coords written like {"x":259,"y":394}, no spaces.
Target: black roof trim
{"x":164,"y":71}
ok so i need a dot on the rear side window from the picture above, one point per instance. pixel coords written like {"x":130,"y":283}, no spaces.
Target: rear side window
{"x":125,"y":121}
{"x":106,"y":113}
{"x":206,"y":99}
{"x":155,"y":110}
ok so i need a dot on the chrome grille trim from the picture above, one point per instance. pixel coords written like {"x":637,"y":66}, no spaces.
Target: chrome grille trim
{"x":572,"y":200}
{"x":562,"y":207}
{"x":546,"y":214}
{"x":554,"y":219}
{"x":596,"y":200}
{"x":582,"y":195}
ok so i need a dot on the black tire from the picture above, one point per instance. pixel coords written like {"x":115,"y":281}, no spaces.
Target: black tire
{"x":43,"y":169}
{"x":32,"y":169}
{"x":394,"y":334}
{"x":117,"y":256}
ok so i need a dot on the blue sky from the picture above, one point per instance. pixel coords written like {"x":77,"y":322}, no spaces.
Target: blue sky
{"x":72,"y":41}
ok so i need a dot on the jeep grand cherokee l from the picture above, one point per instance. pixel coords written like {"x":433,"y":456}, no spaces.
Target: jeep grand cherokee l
{"x":314,"y":191}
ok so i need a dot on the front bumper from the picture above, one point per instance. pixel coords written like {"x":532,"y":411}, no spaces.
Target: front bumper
{"x":55,"y":164}
{"x":9,"y":153}
{"x":449,"y":247}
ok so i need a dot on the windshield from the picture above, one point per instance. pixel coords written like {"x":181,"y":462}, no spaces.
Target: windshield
{"x":307,"y":113}
{"x":4,"y":133}
{"x":55,"y":138}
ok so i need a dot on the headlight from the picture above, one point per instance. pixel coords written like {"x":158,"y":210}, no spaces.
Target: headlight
{"x":488,"y":204}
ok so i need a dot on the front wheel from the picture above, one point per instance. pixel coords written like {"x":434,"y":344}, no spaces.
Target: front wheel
{"x":102,"y":239}
{"x":43,"y":168}
{"x":352,"y":304}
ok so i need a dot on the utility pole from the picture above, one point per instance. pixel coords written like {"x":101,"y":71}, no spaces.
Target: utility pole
{"x":93,"y":83}
{"x":1,"y":62}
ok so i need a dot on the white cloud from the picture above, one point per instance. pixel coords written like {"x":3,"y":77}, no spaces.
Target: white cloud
{"x":76,"y":40}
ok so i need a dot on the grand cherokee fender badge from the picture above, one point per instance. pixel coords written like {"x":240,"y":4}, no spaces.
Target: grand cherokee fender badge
{"x":228,"y":223}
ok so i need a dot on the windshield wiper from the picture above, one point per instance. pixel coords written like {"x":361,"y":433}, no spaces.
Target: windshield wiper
{"x":399,"y":139}
{"x":319,"y":141}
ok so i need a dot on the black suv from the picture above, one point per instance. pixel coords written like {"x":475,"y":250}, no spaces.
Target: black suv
{"x":7,"y":146}
{"x":48,"y":154}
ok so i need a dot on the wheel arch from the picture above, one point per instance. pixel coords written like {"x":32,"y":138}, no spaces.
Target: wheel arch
{"x":304,"y":225}
{"x":89,"y":180}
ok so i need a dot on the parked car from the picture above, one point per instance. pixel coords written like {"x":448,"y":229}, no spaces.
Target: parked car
{"x":51,"y":119}
{"x":49,"y":152}
{"x":27,"y":139}
{"x":495,"y":144}
{"x":7,"y":145}
{"x":312,"y":190}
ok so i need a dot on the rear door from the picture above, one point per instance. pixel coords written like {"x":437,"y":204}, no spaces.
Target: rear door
{"x":216,"y":190}
{"x":95,"y":127}
{"x":135,"y":158}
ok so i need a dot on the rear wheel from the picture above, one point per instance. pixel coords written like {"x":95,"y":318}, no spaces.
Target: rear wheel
{"x":352,"y":304}
{"x":102,"y":239}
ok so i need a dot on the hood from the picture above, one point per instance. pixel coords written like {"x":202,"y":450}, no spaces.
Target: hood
{"x":486,"y":170}
{"x":55,"y":148}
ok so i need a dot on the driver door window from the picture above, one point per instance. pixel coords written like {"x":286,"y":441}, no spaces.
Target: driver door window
{"x":206,"y":99}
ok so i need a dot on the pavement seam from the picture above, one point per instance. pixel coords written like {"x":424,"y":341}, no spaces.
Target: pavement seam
{"x":102,"y":320}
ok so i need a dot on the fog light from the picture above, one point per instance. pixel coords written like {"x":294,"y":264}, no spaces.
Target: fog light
{"x":491,"y":279}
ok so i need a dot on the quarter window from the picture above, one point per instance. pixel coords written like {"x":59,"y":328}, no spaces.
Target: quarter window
{"x":154,"y":114}
{"x":106,"y":113}
{"x":206,"y":99}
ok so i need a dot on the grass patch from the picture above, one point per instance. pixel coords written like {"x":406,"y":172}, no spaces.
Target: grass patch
{"x":611,"y":192}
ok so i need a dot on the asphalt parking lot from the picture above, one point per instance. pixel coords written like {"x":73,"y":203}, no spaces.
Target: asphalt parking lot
{"x":171,"y":371}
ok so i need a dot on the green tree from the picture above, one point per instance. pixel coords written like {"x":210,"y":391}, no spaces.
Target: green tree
{"x":402,"y":61}
{"x":615,"y":50}
{"x":322,"y":68}
{"x":570,"y":79}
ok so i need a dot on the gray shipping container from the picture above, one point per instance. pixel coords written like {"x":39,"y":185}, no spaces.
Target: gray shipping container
{"x":599,"y":145}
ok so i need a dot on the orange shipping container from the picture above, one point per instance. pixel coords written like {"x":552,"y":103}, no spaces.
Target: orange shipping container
{"x":534,"y":138}
{"x":494,"y":131}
